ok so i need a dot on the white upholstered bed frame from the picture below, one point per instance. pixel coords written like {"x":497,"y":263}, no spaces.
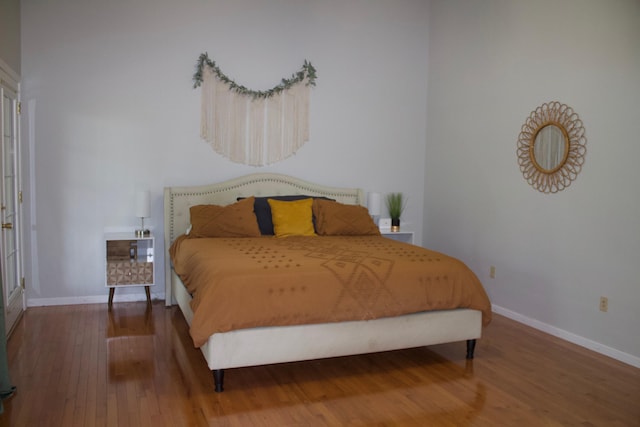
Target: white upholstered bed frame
{"x":266,"y":345}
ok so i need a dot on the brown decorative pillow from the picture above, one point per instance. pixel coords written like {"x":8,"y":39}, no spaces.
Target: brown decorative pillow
{"x":235,"y":220}
{"x":337,"y":219}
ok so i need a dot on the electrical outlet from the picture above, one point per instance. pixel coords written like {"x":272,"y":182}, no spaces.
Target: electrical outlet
{"x":492,"y":272}
{"x":604,"y":304}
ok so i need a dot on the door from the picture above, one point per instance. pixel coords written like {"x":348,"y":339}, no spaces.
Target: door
{"x":10,"y":209}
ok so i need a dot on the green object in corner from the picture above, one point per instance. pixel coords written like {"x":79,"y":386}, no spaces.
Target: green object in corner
{"x":6,"y":389}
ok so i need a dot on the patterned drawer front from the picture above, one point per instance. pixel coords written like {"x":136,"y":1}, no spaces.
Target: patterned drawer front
{"x":129,"y":273}
{"x":142,"y":272}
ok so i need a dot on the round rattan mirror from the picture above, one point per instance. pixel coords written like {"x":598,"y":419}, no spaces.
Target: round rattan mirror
{"x":551,"y":147}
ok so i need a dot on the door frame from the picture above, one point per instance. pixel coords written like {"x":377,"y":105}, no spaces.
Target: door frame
{"x":11,"y":80}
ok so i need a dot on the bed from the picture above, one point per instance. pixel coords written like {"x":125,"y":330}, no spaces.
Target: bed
{"x":227,"y":345}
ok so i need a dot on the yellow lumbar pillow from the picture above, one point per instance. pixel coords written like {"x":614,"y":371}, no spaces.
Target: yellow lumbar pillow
{"x":292,"y":218}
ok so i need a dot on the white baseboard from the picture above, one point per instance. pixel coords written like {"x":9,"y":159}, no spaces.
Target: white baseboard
{"x":568,"y":336}
{"x":96,"y":299}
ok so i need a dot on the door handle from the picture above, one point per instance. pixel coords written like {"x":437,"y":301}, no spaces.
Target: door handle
{"x":7,"y":225}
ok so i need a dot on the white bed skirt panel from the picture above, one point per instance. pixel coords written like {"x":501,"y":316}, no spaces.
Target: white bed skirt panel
{"x":267,"y":345}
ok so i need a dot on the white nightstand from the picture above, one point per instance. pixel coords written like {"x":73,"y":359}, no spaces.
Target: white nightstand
{"x":129,"y":262}
{"x":400,"y":236}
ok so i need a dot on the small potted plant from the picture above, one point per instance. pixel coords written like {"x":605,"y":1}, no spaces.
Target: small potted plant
{"x":395,"y":206}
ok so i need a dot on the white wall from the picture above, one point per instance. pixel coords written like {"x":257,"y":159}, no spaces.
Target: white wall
{"x":109,"y":108}
{"x":490,"y":64}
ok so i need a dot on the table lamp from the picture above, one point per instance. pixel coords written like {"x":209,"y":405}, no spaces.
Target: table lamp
{"x":143,"y":210}
{"x":373,"y":204}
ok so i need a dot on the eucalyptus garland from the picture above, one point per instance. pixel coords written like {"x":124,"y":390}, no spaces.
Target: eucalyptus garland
{"x":307,"y":71}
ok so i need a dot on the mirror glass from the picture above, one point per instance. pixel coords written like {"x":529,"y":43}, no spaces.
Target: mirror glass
{"x":549,"y":148}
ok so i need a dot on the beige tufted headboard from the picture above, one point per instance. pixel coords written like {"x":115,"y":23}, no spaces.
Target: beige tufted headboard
{"x":178,"y":200}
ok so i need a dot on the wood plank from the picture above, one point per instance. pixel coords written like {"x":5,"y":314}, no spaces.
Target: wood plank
{"x":136,"y":365}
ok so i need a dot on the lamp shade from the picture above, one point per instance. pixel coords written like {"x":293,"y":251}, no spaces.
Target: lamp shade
{"x":373,"y":203}
{"x":143,"y":207}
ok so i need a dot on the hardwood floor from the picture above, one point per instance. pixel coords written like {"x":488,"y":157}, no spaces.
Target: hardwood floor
{"x":136,"y":366}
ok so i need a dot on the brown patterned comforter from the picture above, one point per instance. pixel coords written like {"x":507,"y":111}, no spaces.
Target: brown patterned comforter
{"x":266,"y":281}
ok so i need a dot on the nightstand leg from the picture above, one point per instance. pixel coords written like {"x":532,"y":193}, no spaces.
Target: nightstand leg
{"x":111,"y":291}
{"x":146,"y":289}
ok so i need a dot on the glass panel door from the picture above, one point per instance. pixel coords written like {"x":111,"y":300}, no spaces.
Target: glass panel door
{"x":10,"y":261}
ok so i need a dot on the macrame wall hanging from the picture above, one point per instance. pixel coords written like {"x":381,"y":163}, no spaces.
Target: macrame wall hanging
{"x":254,"y":127}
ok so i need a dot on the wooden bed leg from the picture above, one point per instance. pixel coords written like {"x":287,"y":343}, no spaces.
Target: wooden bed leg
{"x":218,"y":380}
{"x":471,"y":346}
